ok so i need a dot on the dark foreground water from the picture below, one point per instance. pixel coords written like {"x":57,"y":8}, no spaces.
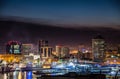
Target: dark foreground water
{"x":30,"y":75}
{"x":18,"y":75}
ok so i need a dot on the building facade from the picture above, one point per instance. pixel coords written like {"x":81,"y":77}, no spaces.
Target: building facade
{"x":58,"y":50}
{"x":27,"y":49}
{"x":46,"y":52}
{"x":13,"y":47}
{"x":98,"y":49}
{"x":44,"y":49}
{"x":65,"y":51}
{"x":62,"y":51}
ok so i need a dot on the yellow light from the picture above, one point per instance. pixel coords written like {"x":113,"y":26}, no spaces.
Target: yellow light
{"x":20,"y":75}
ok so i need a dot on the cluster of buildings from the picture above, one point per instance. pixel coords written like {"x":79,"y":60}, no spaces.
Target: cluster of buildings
{"x":19,"y":52}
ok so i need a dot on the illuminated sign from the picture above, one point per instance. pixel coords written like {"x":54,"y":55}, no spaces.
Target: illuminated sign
{"x":13,"y":47}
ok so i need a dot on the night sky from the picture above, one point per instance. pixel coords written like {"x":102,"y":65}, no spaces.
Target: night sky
{"x":68,"y":22}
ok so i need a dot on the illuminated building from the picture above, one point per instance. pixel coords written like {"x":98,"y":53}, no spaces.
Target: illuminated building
{"x":75,"y":51}
{"x":11,"y":57}
{"x":44,"y":49}
{"x":65,"y":51}
{"x":47,"y":63}
{"x":98,"y":48}
{"x":112,"y":57}
{"x":13,"y":52}
{"x":27,"y":48}
{"x":41,"y":44}
{"x":62,"y":51}
{"x":87,"y":56}
{"x":46,"y":52}
{"x":58,"y":50}
{"x":85,"y":52}
{"x":111,"y":53}
{"x":13,"y":47}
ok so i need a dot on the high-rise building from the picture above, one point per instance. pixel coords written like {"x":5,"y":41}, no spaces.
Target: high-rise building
{"x":62,"y":51}
{"x":42,"y":43}
{"x":44,"y":49}
{"x":65,"y":51}
{"x":58,"y":50}
{"x":98,"y":48}
{"x":13,"y":47}
{"x":46,"y":52}
{"x":27,"y":49}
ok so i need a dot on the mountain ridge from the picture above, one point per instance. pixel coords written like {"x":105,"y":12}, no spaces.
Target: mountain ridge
{"x":38,"y":21}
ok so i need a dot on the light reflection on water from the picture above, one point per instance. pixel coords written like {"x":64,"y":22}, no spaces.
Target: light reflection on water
{"x":17,"y":75}
{"x":29,"y":75}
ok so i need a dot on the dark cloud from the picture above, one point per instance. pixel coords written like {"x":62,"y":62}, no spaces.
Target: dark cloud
{"x":31,"y":32}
